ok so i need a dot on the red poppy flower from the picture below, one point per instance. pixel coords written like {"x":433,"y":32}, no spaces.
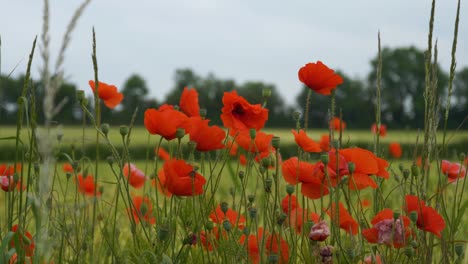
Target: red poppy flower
{"x":232,"y":216}
{"x":382,"y":164}
{"x":209,"y":239}
{"x":67,"y":167}
{"x":272,"y":244}
{"x":137,"y":178}
{"x":386,"y":230}
{"x":382,"y":130}
{"x":108,"y":94}
{"x":275,"y":244}
{"x":207,"y":138}
{"x":160,"y":182}
{"x":261,"y":143}
{"x":26,"y":245}
{"x":162,"y":154}
{"x":337,"y":123}
{"x":253,"y":248}
{"x":164,"y":121}
{"x":325,"y":142}
{"x":306,"y":143}
{"x":86,"y":185}
{"x":295,"y":171}
{"x":286,"y":201}
{"x":395,"y":150}
{"x":295,"y":218}
{"x":239,"y":115}
{"x":182,"y":179}
{"x":143,"y":210}
{"x":189,"y":102}
{"x":232,"y":147}
{"x":428,"y":218}
{"x":365,"y":164}
{"x":320,"y":78}
{"x":347,"y":222}
{"x":453,"y":171}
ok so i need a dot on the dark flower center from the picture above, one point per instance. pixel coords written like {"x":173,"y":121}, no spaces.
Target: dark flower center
{"x":238,"y":110}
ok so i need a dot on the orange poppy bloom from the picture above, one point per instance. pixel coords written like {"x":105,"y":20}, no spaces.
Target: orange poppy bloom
{"x":162,"y":153}
{"x":189,"y":102}
{"x":285,"y":203}
{"x":143,"y":210}
{"x":347,"y":222}
{"x":395,"y":150}
{"x":137,"y":178}
{"x":261,"y":143}
{"x":108,"y":94}
{"x":325,"y":142}
{"x":320,"y":78}
{"x":164,"y":121}
{"x":382,"y":130}
{"x":306,"y":143}
{"x":428,"y":218}
{"x":336,"y":123}
{"x":386,"y":230}
{"x":239,"y":115}
{"x":182,"y":179}
{"x":86,"y":185}
{"x":453,"y":171}
{"x":218,"y":216}
{"x":27,"y":246}
{"x":207,"y":138}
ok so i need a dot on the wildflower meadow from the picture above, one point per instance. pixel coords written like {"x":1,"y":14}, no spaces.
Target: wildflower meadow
{"x":233,"y":191}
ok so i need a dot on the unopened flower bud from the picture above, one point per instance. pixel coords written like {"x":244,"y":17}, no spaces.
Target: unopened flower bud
{"x":252,"y":212}
{"x":246,"y":231}
{"x":162,"y":232}
{"x":251,"y":198}
{"x":227,"y":225}
{"x":80,"y":95}
{"x":414,"y":171}
{"x":180,"y":133}
{"x":413,"y":215}
{"x":241,"y":175}
{"x":396,"y":215}
{"x":351,"y":167}
{"x":209,"y":225}
{"x":143,"y":209}
{"x":268,"y":184}
{"x":401,"y":167}
{"x":224,"y":207}
{"x":273,"y":258}
{"x":325,"y":158}
{"x":101,"y":189}
{"x":414,"y":244}
{"x":266,"y":92}
{"x":409,"y":252}
{"x":123,"y":130}
{"x":290,"y":189}
{"x":275,"y":142}
{"x":105,"y":128}
{"x":281,"y":218}
{"x":459,"y":250}
{"x":406,"y":173}
{"x":262,"y":170}
{"x":253,"y":133}
{"x":110,"y":160}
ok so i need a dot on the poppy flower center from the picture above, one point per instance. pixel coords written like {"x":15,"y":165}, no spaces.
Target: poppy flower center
{"x":238,"y":110}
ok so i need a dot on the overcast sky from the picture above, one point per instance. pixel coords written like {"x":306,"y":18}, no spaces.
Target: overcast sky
{"x":247,"y":40}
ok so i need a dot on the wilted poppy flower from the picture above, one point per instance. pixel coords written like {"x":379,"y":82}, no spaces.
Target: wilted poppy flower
{"x":108,"y":94}
{"x":143,"y":210}
{"x":306,"y":143}
{"x":347,"y":222}
{"x":239,"y":115}
{"x":86,"y":185}
{"x":320,"y":78}
{"x":164,"y":122}
{"x":382,"y":130}
{"x":453,"y":171}
{"x":162,"y":153}
{"x":386,"y":230}
{"x":319,"y":231}
{"x":289,"y":203}
{"x":325,"y":142}
{"x":182,"y":179}
{"x":189,"y":102}
{"x":218,"y":216}
{"x":206,"y":137}
{"x":395,"y":150}
{"x":26,"y":245}
{"x":337,"y":123}
{"x":428,"y":218}
{"x":137,"y":178}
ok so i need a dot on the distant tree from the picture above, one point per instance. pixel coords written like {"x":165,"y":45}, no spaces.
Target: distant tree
{"x":183,"y":78}
{"x":459,"y":107}
{"x":134,"y":90}
{"x":403,"y":84}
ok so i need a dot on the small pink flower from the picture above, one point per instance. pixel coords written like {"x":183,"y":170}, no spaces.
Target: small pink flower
{"x":319,"y":231}
{"x":389,"y":231}
{"x":5,"y":183}
{"x":454,"y":171}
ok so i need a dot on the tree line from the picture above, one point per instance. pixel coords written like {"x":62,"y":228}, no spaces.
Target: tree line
{"x":402,"y":102}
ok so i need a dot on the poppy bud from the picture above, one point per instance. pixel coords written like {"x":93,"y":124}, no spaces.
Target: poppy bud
{"x":251,"y":198}
{"x":401,"y":167}
{"x":290,"y":189}
{"x":414,"y":244}
{"x":84,"y":102}
{"x":396,"y":215}
{"x":105,"y":128}
{"x":415,"y":171}
{"x":224,"y":207}
{"x":143,"y":209}
{"x":241,"y":175}
{"x":180,"y":133}
{"x":227,"y":225}
{"x":266,"y":92}
{"x":268,"y":184}
{"x":281,"y":218}
{"x":246,"y":231}
{"x":273,"y":259}
{"x":351,"y":167}
{"x":80,"y":95}
{"x":253,"y":133}
{"x":68,"y":175}
{"x":409,"y":252}
{"x":123,"y":130}
{"x":203,"y":112}
{"x":163,"y":233}
{"x":459,"y":250}
{"x":350,"y":252}
{"x":110,"y":160}
{"x":252,"y":212}
{"x":413,"y":215}
{"x":296,"y":115}
{"x":209,"y":225}
{"x":406,"y":173}
{"x":275,"y":142}
{"x":266,"y":162}
{"x":324,"y":158}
